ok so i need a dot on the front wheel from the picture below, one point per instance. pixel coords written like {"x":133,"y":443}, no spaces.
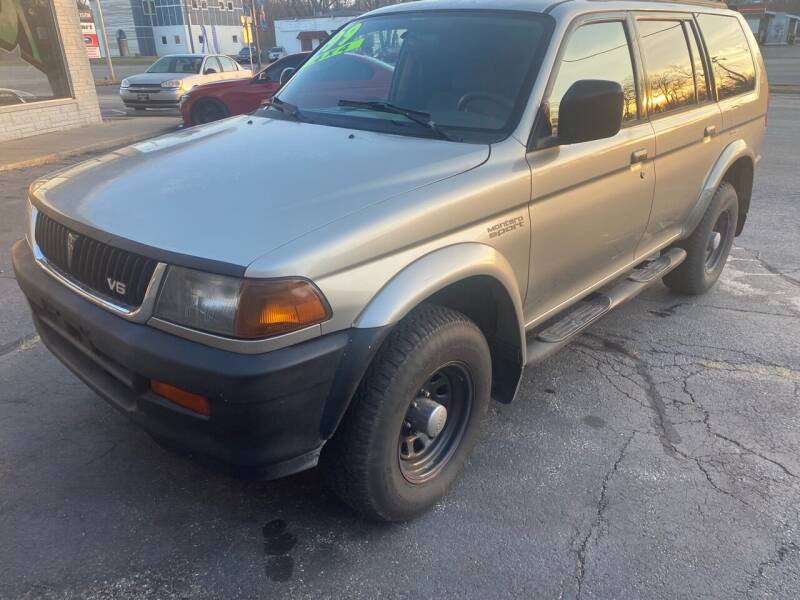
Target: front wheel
{"x":206,"y":111}
{"x":415,"y":418}
{"x":708,"y":247}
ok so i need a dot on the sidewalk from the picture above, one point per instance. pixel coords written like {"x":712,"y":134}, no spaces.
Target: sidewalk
{"x":50,"y":147}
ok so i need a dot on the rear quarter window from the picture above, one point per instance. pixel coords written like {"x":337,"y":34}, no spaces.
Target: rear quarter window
{"x":731,"y":60}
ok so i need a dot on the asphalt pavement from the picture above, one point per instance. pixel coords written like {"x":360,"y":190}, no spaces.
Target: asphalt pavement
{"x":658,"y":456}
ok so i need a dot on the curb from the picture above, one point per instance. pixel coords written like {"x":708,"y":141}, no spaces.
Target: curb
{"x":783,"y":88}
{"x":89,"y":148}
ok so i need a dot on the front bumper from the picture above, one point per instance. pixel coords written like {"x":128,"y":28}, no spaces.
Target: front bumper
{"x":151,"y":98}
{"x":270,"y":413}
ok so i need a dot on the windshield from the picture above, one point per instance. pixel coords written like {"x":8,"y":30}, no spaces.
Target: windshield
{"x":464,"y":75}
{"x":176,"y":64}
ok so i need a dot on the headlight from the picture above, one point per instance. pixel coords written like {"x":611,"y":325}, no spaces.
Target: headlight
{"x":241,"y":308}
{"x":125,"y":84}
{"x":30,"y":234}
{"x":172,"y":83}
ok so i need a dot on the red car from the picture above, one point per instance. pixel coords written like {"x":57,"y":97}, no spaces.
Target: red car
{"x":215,"y":101}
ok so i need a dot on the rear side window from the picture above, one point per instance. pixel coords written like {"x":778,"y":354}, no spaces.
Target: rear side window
{"x":596,"y":51}
{"x":670,"y":76}
{"x":731,"y":60}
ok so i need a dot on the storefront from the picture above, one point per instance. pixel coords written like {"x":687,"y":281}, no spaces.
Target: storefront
{"x":46,"y":82}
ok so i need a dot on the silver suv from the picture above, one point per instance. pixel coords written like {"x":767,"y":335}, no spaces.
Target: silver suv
{"x":444,"y":193}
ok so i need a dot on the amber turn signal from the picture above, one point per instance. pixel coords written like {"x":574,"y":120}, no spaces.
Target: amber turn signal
{"x":188,"y":400}
{"x":274,"y":307}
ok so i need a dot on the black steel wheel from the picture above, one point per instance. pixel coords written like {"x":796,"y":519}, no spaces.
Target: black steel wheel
{"x":435,"y":423}
{"x":206,"y":111}
{"x":415,"y":418}
{"x":708,"y":246}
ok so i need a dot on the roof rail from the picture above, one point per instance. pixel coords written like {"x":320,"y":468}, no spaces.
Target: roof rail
{"x":707,"y":3}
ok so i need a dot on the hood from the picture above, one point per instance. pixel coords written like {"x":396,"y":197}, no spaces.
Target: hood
{"x":159,"y":77}
{"x":236,"y":189}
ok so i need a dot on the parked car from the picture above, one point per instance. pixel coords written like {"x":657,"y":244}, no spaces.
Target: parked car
{"x":214,"y":101}
{"x":9,"y":97}
{"x":170,"y":77}
{"x":246,"y":54}
{"x":276,"y":53}
{"x":349,"y":275}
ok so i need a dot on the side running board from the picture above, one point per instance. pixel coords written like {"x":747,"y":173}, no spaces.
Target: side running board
{"x":558,"y":332}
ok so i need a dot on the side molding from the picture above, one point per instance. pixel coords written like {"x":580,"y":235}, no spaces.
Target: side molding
{"x":435,"y":271}
{"x":732,"y":152}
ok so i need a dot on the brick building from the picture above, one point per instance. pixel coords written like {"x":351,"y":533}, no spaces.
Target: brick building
{"x":46,"y":82}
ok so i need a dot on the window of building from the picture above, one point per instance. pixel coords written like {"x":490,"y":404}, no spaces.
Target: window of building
{"x":203,"y":4}
{"x":149,"y":7}
{"x":194,"y":4}
{"x":236,"y":39}
{"x":164,"y":40}
{"x":200,"y":38}
{"x":177,"y":39}
{"x":596,"y":51}
{"x":731,"y":60}
{"x":230,"y":5}
{"x":670,"y":76}
{"x":33,"y":68}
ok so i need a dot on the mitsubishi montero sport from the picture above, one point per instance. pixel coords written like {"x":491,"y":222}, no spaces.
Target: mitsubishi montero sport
{"x":445,"y":192}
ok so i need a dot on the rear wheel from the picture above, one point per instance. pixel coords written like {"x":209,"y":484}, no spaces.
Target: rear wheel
{"x":415,"y":418}
{"x":708,"y":247}
{"x":206,"y":111}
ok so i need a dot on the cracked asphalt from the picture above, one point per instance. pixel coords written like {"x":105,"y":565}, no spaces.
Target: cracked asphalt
{"x":658,"y":456}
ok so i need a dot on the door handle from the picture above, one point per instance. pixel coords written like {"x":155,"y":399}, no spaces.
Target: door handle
{"x":710,"y":131}
{"x":638,"y":156}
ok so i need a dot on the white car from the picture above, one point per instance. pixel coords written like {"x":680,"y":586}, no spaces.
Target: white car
{"x":275,"y":53}
{"x":170,"y":77}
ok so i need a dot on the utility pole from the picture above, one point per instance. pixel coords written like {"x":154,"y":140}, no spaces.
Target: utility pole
{"x":105,"y":41}
{"x":255,"y":33}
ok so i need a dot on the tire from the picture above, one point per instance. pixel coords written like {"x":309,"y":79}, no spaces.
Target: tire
{"x":708,"y":246}
{"x":369,"y":462}
{"x":207,"y":111}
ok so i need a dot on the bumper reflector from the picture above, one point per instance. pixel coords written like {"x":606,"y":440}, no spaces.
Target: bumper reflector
{"x":188,"y":400}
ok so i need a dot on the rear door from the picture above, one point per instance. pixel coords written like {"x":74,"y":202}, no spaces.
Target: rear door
{"x":590,"y":201}
{"x":686,"y":120}
{"x":230,"y":70}
{"x":742,"y":99}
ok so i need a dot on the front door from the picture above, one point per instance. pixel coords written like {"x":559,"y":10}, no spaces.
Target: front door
{"x":590,"y":201}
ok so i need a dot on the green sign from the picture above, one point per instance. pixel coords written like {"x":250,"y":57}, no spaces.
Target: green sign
{"x":344,"y":41}
{"x":16,"y":32}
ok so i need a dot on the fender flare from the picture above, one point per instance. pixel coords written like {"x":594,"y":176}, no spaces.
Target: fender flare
{"x":434,"y":272}
{"x":408,"y":288}
{"x":732,"y":152}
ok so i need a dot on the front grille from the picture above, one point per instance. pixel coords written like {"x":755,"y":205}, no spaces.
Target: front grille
{"x":146,"y":86}
{"x":116,"y":274}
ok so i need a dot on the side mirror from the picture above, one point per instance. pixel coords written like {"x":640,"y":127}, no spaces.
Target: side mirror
{"x":209,"y":71}
{"x":590,"y":110}
{"x":263,"y":77}
{"x":287,"y":74}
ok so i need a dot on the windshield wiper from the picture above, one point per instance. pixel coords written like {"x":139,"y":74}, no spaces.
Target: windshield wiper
{"x":417,"y":116}
{"x":284,"y":107}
